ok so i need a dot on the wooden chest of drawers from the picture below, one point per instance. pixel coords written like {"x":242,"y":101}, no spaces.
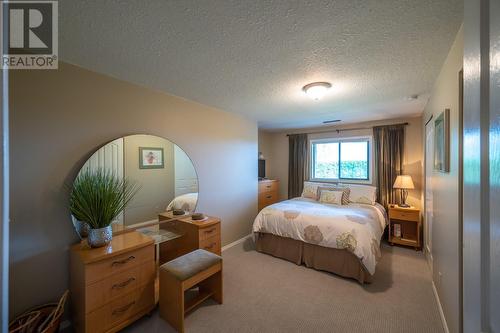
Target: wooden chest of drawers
{"x":268,"y":192}
{"x":196,"y":235}
{"x":112,"y":286}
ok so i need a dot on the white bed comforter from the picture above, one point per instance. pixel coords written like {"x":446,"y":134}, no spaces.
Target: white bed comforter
{"x":357,"y":228}
{"x":186,"y":202}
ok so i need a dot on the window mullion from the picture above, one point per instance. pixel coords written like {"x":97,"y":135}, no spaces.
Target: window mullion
{"x":340,"y":145}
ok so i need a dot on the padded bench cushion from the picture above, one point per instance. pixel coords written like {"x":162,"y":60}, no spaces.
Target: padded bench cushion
{"x":190,"y":264}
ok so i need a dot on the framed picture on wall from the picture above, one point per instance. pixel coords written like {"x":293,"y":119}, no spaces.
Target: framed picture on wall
{"x":442,"y":142}
{"x":151,"y":158}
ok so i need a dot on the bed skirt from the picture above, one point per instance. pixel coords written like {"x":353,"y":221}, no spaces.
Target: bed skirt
{"x":340,"y":262}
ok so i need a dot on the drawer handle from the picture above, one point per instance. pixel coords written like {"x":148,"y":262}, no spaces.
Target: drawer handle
{"x":209,"y":231}
{"x":210,"y":246}
{"x":268,"y":186}
{"x":124,"y":261}
{"x":269,"y":197}
{"x":123,"y":308}
{"x":123,"y":284}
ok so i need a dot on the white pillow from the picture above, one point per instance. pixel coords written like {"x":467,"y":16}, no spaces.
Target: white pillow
{"x":311,"y":189}
{"x":364,"y":194}
{"x":333,"y":196}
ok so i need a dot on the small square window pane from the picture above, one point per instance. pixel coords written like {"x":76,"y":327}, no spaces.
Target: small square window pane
{"x":326,"y":160}
{"x":354,"y":160}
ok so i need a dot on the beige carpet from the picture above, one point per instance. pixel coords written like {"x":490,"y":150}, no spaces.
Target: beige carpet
{"x":267,"y":294}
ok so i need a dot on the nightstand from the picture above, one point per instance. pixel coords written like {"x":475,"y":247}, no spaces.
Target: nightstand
{"x":404,"y":226}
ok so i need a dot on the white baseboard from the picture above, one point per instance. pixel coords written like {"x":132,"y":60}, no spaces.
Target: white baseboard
{"x":441,"y":313}
{"x":239,"y":241}
{"x":430,"y":259}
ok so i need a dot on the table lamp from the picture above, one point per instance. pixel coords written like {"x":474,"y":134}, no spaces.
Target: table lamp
{"x":404,"y":183}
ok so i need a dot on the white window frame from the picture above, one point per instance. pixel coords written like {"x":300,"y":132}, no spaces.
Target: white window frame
{"x":339,"y":140}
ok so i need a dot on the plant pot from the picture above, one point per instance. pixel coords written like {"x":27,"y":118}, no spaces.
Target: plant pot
{"x":100,"y":237}
{"x":82,"y":228}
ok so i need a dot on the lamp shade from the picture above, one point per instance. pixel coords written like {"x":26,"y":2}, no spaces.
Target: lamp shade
{"x":404,"y":182}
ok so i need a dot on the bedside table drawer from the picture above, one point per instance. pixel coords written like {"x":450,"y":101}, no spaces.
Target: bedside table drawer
{"x":211,"y":244}
{"x":209,"y":232}
{"x":406,"y":216}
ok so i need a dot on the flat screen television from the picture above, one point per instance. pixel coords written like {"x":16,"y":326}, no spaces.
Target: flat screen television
{"x":262,"y":169}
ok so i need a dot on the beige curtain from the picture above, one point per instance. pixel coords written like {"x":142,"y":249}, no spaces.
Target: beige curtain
{"x":297,"y":164}
{"x":389,"y":143}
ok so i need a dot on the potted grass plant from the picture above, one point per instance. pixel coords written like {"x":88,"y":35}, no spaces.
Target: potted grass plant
{"x":97,"y":197}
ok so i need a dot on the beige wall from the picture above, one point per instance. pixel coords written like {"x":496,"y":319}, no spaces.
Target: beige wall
{"x":445,"y":259}
{"x":277,"y":146}
{"x":59,"y":117}
{"x":157,"y":185}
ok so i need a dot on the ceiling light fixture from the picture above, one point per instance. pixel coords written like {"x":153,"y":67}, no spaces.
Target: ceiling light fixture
{"x":316,"y":90}
{"x":331,"y":121}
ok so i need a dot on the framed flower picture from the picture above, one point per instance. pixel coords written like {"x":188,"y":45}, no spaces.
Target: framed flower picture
{"x":442,"y":142}
{"x":151,"y":158}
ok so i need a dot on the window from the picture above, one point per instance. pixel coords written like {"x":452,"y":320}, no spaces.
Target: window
{"x":347,"y":159}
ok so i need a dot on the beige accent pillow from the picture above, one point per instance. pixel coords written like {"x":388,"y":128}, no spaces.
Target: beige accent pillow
{"x":345,"y":192}
{"x":310,"y":190}
{"x":364,"y":194}
{"x":331,"y":196}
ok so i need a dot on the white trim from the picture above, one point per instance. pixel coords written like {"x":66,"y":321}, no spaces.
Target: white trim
{"x":4,"y":191}
{"x":441,"y":313}
{"x":430,"y":259}
{"x":342,"y":139}
{"x":335,"y":139}
{"x":239,"y":241}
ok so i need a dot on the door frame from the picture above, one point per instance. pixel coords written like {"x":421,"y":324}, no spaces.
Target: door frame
{"x":4,"y":192}
{"x":460,"y":195}
{"x":426,"y":225}
{"x":476,"y":306}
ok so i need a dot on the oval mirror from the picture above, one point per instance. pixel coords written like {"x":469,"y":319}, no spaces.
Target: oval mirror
{"x":163,"y":173}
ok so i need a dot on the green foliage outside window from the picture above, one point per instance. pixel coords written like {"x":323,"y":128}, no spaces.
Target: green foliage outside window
{"x":348,"y":169}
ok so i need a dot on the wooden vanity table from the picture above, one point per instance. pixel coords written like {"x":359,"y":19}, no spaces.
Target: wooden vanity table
{"x":204,"y":234}
{"x":113,"y":286}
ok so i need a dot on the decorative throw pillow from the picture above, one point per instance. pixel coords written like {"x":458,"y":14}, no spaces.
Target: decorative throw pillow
{"x":363,"y":194}
{"x":331,"y":196}
{"x":310,"y":190}
{"x":345,"y":192}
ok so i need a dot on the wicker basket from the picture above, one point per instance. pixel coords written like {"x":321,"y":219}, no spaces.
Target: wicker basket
{"x":41,"y":319}
{"x":25,"y":322}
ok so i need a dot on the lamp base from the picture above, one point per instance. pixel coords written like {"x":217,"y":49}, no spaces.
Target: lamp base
{"x":404,"y":196}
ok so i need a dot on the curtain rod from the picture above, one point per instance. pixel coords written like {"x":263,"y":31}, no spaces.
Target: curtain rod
{"x":348,"y":129}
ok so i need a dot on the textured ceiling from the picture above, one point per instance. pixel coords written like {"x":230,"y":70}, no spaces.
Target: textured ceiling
{"x":253,"y":57}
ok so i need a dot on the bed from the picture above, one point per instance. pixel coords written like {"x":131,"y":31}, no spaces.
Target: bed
{"x":186,"y":202}
{"x":342,"y":239}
